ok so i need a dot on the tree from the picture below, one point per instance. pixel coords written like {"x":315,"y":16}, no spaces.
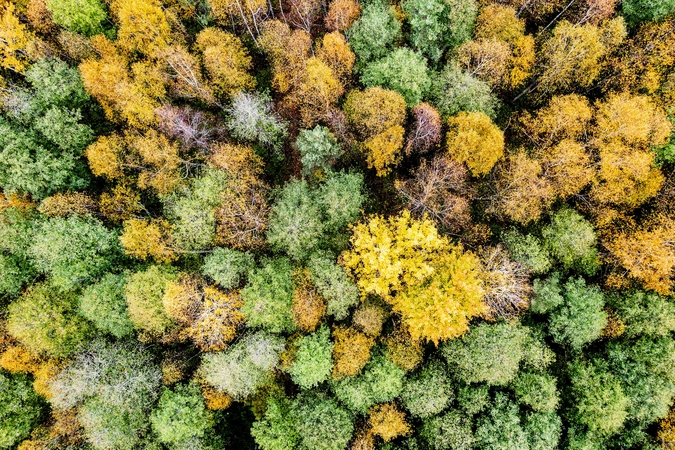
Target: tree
{"x":181,"y":417}
{"x":599,"y":400}
{"x":428,"y":391}
{"x":309,"y":308}
{"x":78,"y":16}
{"x":14,"y":40}
{"x":319,"y":150}
{"x":450,"y":430}
{"x":276,"y":430}
{"x":268,"y":297}
{"x":351,"y":351}
{"x":144,"y":292}
{"x":333,"y":284}
{"x":104,"y":305}
{"x":227,"y":267}
{"x":637,"y":11}
{"x":486,"y":59}
{"x":565,"y":117}
{"x":341,"y":15}
{"x":143,"y":26}
{"x":646,"y":253}
{"x":251,"y":118}
{"x":536,"y":390}
{"x":387,"y":422}
{"x":572,"y":241}
{"x":322,"y":423}
{"x":403,"y":71}
{"x":527,"y":250}
{"x":114,"y":387}
{"x":20,"y":409}
{"x":643,"y":313}
{"x":340,"y":199}
{"x":453,"y":90}
{"x":244,"y":366}
{"x":522,"y":192}
{"x":73,"y":250}
{"x":381,"y":381}
{"x":183,"y":75}
{"x":373,"y":35}
{"x":313,"y":363}
{"x":581,"y":318}
{"x":334,"y":51}
{"x":489,"y":353}
{"x":474,"y":139}
{"x":501,"y":428}
{"x":428,"y":29}
{"x":385,"y":256}
{"x":226,"y":61}
{"x":148,"y":238}
{"x":243,"y":13}
{"x":441,"y":306}
{"x":425,"y":132}
{"x":507,"y":290}
{"x":316,"y":92}
{"x":287,"y":52}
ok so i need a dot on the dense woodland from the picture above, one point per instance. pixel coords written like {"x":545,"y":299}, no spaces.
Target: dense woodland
{"x":337,"y":224}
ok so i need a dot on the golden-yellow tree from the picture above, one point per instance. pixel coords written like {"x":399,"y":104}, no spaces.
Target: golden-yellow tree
{"x":148,"y":238}
{"x":287,"y":52}
{"x":473,"y":138}
{"x":15,"y":37}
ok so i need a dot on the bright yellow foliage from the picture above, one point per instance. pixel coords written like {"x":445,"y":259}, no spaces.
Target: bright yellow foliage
{"x":184,"y":74}
{"x":342,"y":14}
{"x":121,"y":203}
{"x":388,"y":255}
{"x":383,"y":151}
{"x":334,"y":51}
{"x":487,"y":59}
{"x":442,"y":306}
{"x":17,"y":359}
{"x":387,"y":422}
{"x":148,"y":238}
{"x":242,"y":12}
{"x":14,"y":39}
{"x":105,"y":157}
{"x":473,"y":138}
{"x":374,"y":110}
{"x":351,"y":351}
{"x":565,"y":117}
{"x":569,"y":167}
{"x":68,"y":203}
{"x":143,"y":25}
{"x":158,"y":159}
{"x":226,"y":61}
{"x":648,"y":254}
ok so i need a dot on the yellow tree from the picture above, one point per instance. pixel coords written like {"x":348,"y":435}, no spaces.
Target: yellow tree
{"x":569,"y":167}
{"x":565,"y":117}
{"x":486,"y":59}
{"x":14,"y":39}
{"x":148,"y":238}
{"x":143,"y":25}
{"x":473,"y":138}
{"x":647,"y":253}
{"x":334,"y":51}
{"x":248,"y":14}
{"x":351,"y":351}
{"x":226,"y":61}
{"x":316,"y":93}
{"x":106,"y":157}
{"x":287,"y":52}
{"x":387,"y":422}
{"x":342,"y":14}
{"x":388,"y":255}
{"x":184,"y":74}
{"x":378,"y":116}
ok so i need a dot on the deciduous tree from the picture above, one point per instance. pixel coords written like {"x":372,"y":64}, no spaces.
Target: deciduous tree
{"x":474,"y":139}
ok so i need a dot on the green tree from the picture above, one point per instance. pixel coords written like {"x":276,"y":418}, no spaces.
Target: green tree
{"x":374,"y":34}
{"x":340,"y":199}
{"x":501,"y":427}
{"x":528,"y":250}
{"x":276,"y":430}
{"x":227,"y":267}
{"x":313,"y":359}
{"x":44,"y":320}
{"x":381,"y":381}
{"x":144,"y":292}
{"x":598,"y":399}
{"x":451,"y":430}
{"x":543,"y":430}
{"x":295,"y":224}
{"x":571,"y":240}
{"x":115,"y":387}
{"x":245,"y":366}
{"x":20,"y":409}
{"x":428,"y":391}
{"x":79,"y":16}
{"x":268,"y":297}
{"x":319,"y":150}
{"x":180,"y":417}
{"x":547,"y":295}
{"x":73,"y":250}
{"x":453,"y":90}
{"x":489,"y":353}
{"x":536,"y":390}
{"x":581,"y":317}
{"x":638,"y":11}
{"x":322,"y":423}
{"x":403,"y":71}
{"x":104,"y":305}
{"x":333,"y":284}
{"x":427,"y":26}
{"x":643,"y":312}
{"x":55,"y":83}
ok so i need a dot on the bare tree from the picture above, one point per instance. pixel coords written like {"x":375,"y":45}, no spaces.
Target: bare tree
{"x":507,"y":284}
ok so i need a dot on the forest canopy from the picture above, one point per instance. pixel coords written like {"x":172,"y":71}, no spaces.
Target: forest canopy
{"x":337,"y":224}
